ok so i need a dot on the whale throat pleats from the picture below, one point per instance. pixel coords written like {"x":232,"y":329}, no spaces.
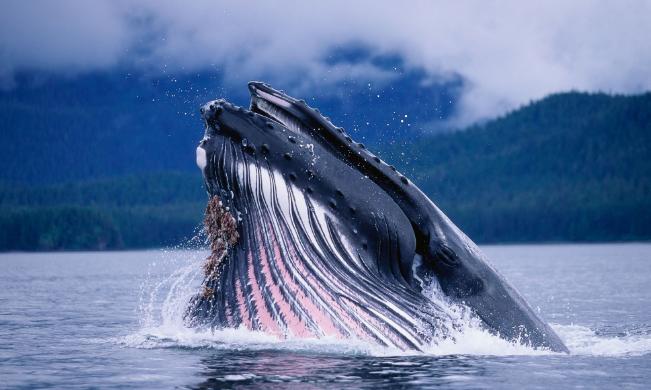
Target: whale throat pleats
{"x":282,"y":263}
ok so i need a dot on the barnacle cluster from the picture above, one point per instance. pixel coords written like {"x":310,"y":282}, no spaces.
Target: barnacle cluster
{"x":221,"y":229}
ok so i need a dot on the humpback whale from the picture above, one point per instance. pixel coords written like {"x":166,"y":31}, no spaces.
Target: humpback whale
{"x":313,"y":235}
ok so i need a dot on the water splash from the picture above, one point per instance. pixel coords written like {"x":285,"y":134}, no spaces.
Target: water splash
{"x":174,"y":278}
{"x":582,"y":340}
{"x":170,"y":283}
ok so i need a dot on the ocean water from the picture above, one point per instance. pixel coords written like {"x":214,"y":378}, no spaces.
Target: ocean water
{"x":113,"y":320}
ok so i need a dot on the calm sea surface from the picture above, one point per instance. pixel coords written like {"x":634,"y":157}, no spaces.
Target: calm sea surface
{"x":114,"y":320}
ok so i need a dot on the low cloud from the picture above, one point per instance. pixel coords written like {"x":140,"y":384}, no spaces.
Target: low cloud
{"x":506,"y":52}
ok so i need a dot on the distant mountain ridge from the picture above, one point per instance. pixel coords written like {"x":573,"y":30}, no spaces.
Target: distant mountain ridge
{"x":570,"y":167}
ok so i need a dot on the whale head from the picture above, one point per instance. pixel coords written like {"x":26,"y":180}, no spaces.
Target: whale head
{"x":445,"y":255}
{"x":322,"y":249}
{"x":344,"y":240}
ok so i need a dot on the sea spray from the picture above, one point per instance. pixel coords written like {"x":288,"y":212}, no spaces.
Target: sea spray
{"x":176,"y":276}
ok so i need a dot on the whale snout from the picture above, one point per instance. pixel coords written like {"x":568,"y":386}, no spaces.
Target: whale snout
{"x":211,"y":111}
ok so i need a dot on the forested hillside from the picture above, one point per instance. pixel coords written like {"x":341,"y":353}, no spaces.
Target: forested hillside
{"x":148,"y":210}
{"x":571,"y":167}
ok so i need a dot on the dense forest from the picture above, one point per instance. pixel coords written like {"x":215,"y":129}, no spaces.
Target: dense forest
{"x":148,"y":210}
{"x":571,"y":167}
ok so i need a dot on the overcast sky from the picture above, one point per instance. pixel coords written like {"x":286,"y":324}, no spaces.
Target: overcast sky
{"x":507,"y":52}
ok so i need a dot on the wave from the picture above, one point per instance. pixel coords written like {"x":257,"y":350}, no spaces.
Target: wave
{"x":582,"y":340}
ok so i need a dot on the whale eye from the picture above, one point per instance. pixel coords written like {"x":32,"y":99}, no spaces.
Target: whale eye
{"x":339,"y":193}
{"x":309,"y":190}
{"x":292,"y":139}
{"x":287,"y":156}
{"x":332,"y":204}
{"x":292,"y":177}
{"x":404,"y":180}
{"x":264,"y":148}
{"x":270,"y":125}
{"x":377,"y":159}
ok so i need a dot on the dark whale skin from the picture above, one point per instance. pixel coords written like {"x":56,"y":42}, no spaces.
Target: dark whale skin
{"x":359,"y":254}
{"x":377,"y":238}
{"x":349,"y":194}
{"x":447,"y":254}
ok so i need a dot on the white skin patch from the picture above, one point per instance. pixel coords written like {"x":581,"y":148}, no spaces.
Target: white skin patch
{"x":201,"y":158}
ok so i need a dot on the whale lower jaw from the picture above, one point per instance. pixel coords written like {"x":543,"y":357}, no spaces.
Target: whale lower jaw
{"x":295,"y":273}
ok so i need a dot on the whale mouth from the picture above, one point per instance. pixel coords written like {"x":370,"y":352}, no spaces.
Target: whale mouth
{"x":277,"y":106}
{"x":320,"y":251}
{"x":332,"y":241}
